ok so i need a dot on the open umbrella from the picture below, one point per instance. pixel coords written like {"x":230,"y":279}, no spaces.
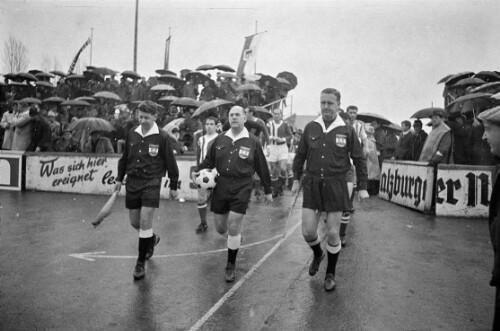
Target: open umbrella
{"x":289,"y":77}
{"x":162,"y":87}
{"x":273,"y":81}
{"x":471,"y":81}
{"x":44,"y":75}
{"x":76,"y":77}
{"x":393,"y":126}
{"x":31,"y":100}
{"x":170,"y":79}
{"x":107,"y":95}
{"x":168,"y":98}
{"x":469,"y":102}
{"x":175,"y":123}
{"x":11,"y":77}
{"x":284,"y":83}
{"x":248,"y":88}
{"x":91,"y":124}
{"x":165,"y":72}
{"x":56,"y":100}
{"x":93,"y":75}
{"x":444,"y":79}
{"x":104,"y":71}
{"x":223,"y":67}
{"x":34,"y":71}
{"x":197,"y":77}
{"x":58,"y":73}
{"x":75,"y":103}
{"x":185,"y":102}
{"x":456,"y":77}
{"x":371,"y":117}
{"x":131,"y":74}
{"x":251,"y":78}
{"x":496,"y":96}
{"x":228,"y":75}
{"x":488,"y":76}
{"x":183,"y":72}
{"x":205,"y":67}
{"x":261,"y":112}
{"x":87,"y":99}
{"x":425,"y":113}
{"x":44,"y":84}
{"x":213,"y":105}
{"x":492,"y":87}
{"x":26,"y":76}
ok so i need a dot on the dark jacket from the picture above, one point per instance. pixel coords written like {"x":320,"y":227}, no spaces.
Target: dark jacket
{"x":404,"y":149}
{"x":41,"y":135}
{"x":494,"y":226}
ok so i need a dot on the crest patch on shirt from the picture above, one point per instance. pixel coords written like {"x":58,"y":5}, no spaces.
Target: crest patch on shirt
{"x":153,"y":149}
{"x":341,"y":140}
{"x":244,"y":152}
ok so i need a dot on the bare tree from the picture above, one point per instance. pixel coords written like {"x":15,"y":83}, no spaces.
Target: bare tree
{"x":15,"y":55}
{"x":46,"y":62}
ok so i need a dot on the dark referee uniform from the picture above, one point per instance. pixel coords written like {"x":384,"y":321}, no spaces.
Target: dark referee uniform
{"x":145,"y":160}
{"x":327,"y":152}
{"x":236,"y":162}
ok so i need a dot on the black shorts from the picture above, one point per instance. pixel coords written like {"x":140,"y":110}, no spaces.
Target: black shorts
{"x":142,"y":192}
{"x":326,"y":194}
{"x":231,"y":194}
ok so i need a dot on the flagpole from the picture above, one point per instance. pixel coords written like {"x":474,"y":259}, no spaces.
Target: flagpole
{"x":91,"y":43}
{"x":135,"y":33}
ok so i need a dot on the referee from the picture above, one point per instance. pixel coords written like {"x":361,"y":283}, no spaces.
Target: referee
{"x":146,"y":158}
{"x":237,"y":155}
{"x":327,"y":145}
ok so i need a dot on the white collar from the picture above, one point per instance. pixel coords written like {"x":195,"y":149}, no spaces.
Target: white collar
{"x":336,"y":123}
{"x":277,"y":124}
{"x":242,"y":134}
{"x":154,"y":130}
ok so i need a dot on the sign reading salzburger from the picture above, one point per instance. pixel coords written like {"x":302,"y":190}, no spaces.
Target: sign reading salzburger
{"x":89,"y":174}
{"x":407,"y":183}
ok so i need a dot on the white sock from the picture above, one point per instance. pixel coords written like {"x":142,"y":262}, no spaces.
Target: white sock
{"x":233,"y":242}
{"x":146,"y":233}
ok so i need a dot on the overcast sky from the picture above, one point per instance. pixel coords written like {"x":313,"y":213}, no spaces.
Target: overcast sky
{"x":384,"y":56}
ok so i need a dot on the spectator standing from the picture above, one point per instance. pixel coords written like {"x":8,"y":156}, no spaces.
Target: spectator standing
{"x":380,"y":139}
{"x":391,"y":142}
{"x":437,"y":147}
{"x":41,"y":134}
{"x":460,"y":132}
{"x":22,"y":124}
{"x":420,"y":136}
{"x":352,"y":112}
{"x":190,"y":90}
{"x":66,"y":143}
{"x":55,"y":126}
{"x":209,"y":91}
{"x":7,"y":118}
{"x":404,"y":149}
{"x":98,"y":144}
{"x":372,"y":162}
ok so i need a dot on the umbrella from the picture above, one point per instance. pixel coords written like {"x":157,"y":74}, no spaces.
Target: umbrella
{"x":371,"y":117}
{"x":197,"y":77}
{"x":94,"y":75}
{"x":175,"y":123}
{"x":492,"y":87}
{"x":44,"y":84}
{"x":34,"y":71}
{"x":488,"y":76}
{"x":150,"y":103}
{"x":131,"y":74}
{"x":30,"y":100}
{"x":456,"y":77}
{"x":272,"y":81}
{"x":444,"y":79}
{"x":58,"y":73}
{"x":184,"y":72}
{"x":91,"y":124}
{"x":284,"y":83}
{"x":44,"y":75}
{"x":162,"y":87}
{"x":76,"y":77}
{"x":394,"y":126}
{"x":223,"y":67}
{"x":26,"y":76}
{"x":289,"y":77}
{"x":53,"y":100}
{"x":425,"y":113}
{"x":206,"y":67}
{"x":86,"y":99}
{"x":471,"y":81}
{"x":469,"y":102}
{"x":170,"y":79}
{"x":165,"y":72}
{"x":102,"y":71}
{"x":261,"y":112}
{"x":205,"y":108}
{"x":107,"y":95}
{"x":75,"y":103}
{"x":496,"y":96}
{"x":168,"y":98}
{"x":248,"y":88}
{"x":228,"y":75}
{"x":185,"y":102}
{"x":11,"y":77}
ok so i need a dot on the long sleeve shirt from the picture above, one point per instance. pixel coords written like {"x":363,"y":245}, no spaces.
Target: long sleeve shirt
{"x":148,"y":156}
{"x":328,"y":151}
{"x":238,"y":157}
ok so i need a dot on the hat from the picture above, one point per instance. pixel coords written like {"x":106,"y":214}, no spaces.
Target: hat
{"x":417,"y":122}
{"x":147,"y":106}
{"x":491,"y":115}
{"x":51,"y":114}
{"x":175,"y":129}
{"x":438,"y":112}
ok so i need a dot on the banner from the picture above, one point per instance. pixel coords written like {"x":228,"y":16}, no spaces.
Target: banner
{"x":463,"y":191}
{"x":249,"y":55}
{"x":167,"y":53}
{"x":11,"y":170}
{"x":72,"y":66}
{"x":407,"y":183}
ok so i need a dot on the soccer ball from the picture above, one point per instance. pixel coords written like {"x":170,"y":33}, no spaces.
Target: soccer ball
{"x":206,"y":178}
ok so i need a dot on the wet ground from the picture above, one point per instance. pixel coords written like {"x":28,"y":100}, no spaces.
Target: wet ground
{"x":401,"y":270}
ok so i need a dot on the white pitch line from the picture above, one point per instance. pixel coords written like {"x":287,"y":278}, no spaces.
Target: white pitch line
{"x":233,"y":289}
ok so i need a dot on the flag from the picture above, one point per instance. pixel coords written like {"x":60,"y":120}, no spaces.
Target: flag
{"x":167,"y":53}
{"x":249,"y":54}
{"x":72,"y":66}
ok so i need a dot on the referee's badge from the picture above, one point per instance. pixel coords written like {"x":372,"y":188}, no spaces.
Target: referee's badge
{"x":153,"y":149}
{"x":244,"y":152}
{"x":341,"y":140}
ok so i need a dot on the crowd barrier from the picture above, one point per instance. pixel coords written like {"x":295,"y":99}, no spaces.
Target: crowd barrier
{"x":450,"y":190}
{"x":78,"y":173}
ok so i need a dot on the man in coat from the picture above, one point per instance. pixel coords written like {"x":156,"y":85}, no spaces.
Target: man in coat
{"x":404,"y":148}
